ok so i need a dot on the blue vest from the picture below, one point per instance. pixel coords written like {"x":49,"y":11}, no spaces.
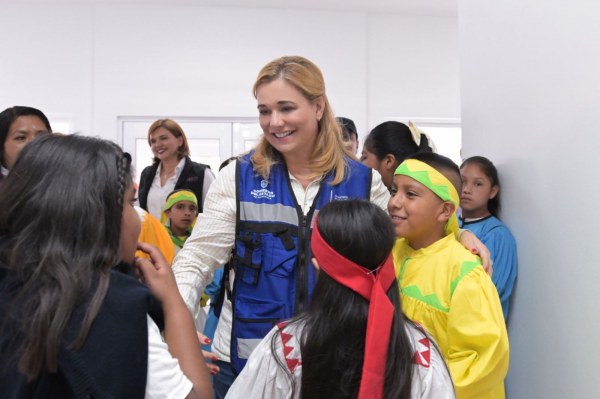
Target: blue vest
{"x":274,"y":276}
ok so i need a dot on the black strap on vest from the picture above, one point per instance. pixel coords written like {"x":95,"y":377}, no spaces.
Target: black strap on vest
{"x":225,"y":287}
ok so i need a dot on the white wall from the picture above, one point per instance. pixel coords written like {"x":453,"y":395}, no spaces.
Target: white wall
{"x":413,"y":68}
{"x":98,"y":61}
{"x":47,"y":60}
{"x":530,"y":85}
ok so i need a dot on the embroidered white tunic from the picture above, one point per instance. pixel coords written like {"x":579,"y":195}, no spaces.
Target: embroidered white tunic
{"x":263,"y":376}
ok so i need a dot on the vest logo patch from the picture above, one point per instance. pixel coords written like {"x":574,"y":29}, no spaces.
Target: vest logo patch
{"x":340,"y":197}
{"x":264,"y":193}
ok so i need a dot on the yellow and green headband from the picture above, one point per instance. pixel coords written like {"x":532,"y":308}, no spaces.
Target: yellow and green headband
{"x":436,"y":182}
{"x":177,"y":196}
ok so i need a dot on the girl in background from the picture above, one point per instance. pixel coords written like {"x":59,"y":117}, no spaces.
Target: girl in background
{"x":480,"y":203}
{"x":389,"y":143}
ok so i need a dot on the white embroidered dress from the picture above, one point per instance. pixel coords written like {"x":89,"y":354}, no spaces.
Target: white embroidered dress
{"x":263,"y":377}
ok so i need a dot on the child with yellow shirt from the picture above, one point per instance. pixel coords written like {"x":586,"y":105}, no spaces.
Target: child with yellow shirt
{"x":442,"y":285}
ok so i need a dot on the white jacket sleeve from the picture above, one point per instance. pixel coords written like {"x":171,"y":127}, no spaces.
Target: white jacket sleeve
{"x":209,"y":246}
{"x":380,"y":195}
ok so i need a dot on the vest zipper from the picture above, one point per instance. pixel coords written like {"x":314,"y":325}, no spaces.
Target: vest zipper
{"x":302,"y":270}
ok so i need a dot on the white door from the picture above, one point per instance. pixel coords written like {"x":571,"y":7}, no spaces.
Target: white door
{"x":211,"y":141}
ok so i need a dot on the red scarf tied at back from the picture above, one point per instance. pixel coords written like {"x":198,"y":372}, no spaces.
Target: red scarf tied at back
{"x":371,"y":285}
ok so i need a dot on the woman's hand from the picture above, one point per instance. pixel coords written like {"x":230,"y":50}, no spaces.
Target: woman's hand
{"x":472,"y":243}
{"x":213,"y":368}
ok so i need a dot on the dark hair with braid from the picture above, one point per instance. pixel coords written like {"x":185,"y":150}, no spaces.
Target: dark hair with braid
{"x":61,"y":208}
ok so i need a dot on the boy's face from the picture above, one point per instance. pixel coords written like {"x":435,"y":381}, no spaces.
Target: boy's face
{"x":417,"y":213}
{"x":182,"y":214}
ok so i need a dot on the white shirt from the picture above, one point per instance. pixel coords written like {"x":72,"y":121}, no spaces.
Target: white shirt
{"x":165,"y":378}
{"x":263,"y":376}
{"x":209,"y":247}
{"x":157,"y":196}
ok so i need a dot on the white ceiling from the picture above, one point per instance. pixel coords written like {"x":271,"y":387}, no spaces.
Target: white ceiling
{"x":408,"y":7}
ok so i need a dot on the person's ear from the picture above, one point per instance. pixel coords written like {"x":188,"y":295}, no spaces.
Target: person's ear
{"x":389,"y":161}
{"x":319,"y":103}
{"x":316,"y":265}
{"x":494,"y":191}
{"x":446,"y":211}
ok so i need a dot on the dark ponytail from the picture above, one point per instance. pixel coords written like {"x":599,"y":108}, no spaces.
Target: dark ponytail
{"x":394,"y":138}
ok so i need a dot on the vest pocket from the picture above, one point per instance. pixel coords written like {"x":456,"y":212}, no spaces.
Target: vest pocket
{"x":280,"y":261}
{"x":254,"y":318}
{"x":249,"y":256}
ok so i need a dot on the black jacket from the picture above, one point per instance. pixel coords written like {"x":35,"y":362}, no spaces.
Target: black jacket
{"x":113,"y":361}
{"x":192,"y":178}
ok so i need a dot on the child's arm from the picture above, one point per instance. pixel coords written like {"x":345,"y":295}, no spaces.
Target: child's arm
{"x":478,"y":351}
{"x":474,"y":245}
{"x":209,"y":247}
{"x":180,"y":332}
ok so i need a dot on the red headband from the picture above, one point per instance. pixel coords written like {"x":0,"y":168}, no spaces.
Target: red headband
{"x":371,"y":285}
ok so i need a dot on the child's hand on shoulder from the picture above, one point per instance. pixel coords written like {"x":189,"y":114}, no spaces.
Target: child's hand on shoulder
{"x":472,"y":243}
{"x":157,"y":274}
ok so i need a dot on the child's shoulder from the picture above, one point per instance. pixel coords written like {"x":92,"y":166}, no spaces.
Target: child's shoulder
{"x":446,"y":255}
{"x":459,"y":258}
{"x":498,"y":227}
{"x":488,"y":226}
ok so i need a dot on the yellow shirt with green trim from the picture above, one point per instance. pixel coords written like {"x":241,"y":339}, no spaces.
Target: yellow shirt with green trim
{"x":445,"y":289}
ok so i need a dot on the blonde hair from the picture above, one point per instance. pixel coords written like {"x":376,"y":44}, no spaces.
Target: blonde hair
{"x":176,"y":130}
{"x":305,"y":76}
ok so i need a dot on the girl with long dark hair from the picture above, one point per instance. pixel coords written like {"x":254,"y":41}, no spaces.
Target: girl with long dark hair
{"x":480,"y":204}
{"x":74,"y":322}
